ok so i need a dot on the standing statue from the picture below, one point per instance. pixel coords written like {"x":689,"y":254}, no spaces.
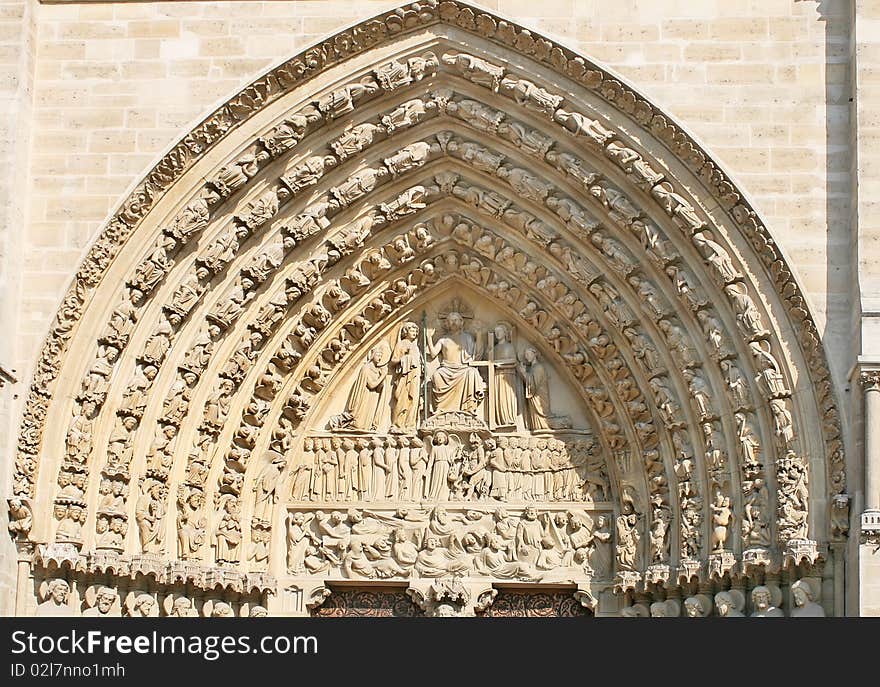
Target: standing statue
{"x":443,"y":455}
{"x":407,"y":365}
{"x":537,"y":393}
{"x":456,"y":386}
{"x":505,"y":377}
{"x":628,"y":537}
{"x":368,"y":395}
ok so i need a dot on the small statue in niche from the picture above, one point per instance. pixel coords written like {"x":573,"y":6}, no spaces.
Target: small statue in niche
{"x":368,"y":395}
{"x":722,"y":515}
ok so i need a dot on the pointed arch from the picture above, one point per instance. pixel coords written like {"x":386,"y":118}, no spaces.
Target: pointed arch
{"x":219,"y":284}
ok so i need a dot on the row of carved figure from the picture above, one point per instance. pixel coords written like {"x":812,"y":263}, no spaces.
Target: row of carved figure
{"x":547,"y":546}
{"x":765,"y":600}
{"x":104,"y":602}
{"x":456,"y":383}
{"x":539,"y":468}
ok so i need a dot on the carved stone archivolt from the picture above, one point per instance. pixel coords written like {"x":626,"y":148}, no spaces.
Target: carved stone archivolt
{"x":448,"y":321}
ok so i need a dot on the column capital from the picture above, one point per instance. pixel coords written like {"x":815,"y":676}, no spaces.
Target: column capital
{"x":870,"y":379}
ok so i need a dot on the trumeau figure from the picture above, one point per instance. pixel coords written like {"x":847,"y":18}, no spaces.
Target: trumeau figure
{"x":455,"y":385}
{"x":56,"y":603}
{"x":762,"y":602}
{"x":407,"y":367}
{"x":805,"y":606}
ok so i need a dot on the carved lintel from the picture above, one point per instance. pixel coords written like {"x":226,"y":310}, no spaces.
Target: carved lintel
{"x":657,"y":574}
{"x":585,"y":597}
{"x":800,"y":551}
{"x":721,"y":563}
{"x":688,"y":569}
{"x":626,"y":580}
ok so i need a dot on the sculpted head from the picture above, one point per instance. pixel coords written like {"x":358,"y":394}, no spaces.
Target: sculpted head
{"x":530,"y":354}
{"x":105,"y":598}
{"x":801,"y":593}
{"x":724,"y":603}
{"x":144,"y":604}
{"x":258,"y":612}
{"x":441,"y":438}
{"x":409,"y":331}
{"x":454,"y":322}
{"x":221,"y":610}
{"x":58,"y":591}
{"x":761,"y":597}
{"x":181,"y":607}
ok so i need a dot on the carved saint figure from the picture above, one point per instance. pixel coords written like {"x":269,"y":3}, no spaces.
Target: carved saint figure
{"x":537,"y":390}
{"x":505,"y":377}
{"x":805,"y":605}
{"x":763,"y":604}
{"x":105,"y":598}
{"x":443,"y":455}
{"x":55,"y":604}
{"x":729,"y":604}
{"x":455,"y":384}
{"x":368,"y":394}
{"x":407,"y":364}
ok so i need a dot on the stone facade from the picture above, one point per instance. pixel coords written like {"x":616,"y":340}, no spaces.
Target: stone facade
{"x":778,"y":95}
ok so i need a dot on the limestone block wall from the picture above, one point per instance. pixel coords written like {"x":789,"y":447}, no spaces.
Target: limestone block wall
{"x":94,"y":92}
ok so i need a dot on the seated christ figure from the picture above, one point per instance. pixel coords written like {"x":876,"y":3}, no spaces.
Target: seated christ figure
{"x":455,"y":384}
